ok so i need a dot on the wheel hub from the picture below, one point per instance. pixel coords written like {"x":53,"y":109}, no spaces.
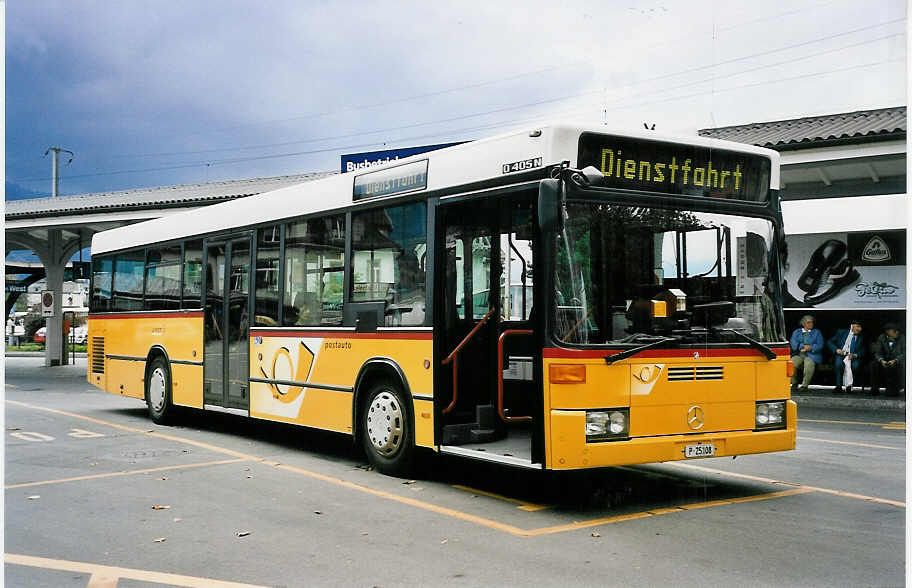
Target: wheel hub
{"x":157,"y":389}
{"x":384,"y":423}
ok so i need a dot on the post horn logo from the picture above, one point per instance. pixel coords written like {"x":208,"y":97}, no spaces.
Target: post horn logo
{"x":695,"y":418}
{"x":287,"y":393}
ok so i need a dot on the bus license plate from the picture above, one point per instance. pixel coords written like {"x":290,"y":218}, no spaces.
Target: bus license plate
{"x":700,"y":450}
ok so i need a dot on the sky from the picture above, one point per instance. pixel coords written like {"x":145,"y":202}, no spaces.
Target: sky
{"x":157,"y":93}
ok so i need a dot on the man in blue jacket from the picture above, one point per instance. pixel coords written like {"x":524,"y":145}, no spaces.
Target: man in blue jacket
{"x":807,"y":344}
{"x":848,"y":347}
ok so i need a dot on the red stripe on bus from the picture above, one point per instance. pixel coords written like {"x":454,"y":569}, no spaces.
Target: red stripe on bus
{"x":341,"y":335}
{"x":651,"y":353}
{"x":133,"y":315}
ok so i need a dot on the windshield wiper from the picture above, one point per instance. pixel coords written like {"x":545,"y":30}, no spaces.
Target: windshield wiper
{"x":669,"y":341}
{"x":769,"y":353}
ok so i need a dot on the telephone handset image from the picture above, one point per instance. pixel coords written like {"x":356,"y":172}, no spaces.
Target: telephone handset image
{"x":829,"y":267}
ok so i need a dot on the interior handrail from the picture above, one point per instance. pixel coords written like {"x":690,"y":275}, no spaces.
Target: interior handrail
{"x":500,"y":378}
{"x":454,"y":357}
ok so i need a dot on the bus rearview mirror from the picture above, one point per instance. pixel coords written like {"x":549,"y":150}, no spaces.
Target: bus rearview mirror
{"x":548,"y":198}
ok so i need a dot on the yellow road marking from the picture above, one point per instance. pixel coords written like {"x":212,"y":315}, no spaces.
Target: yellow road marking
{"x":782,"y":483}
{"x":851,"y":422}
{"x":460,"y":515}
{"x":660,"y":511}
{"x":99,"y":581}
{"x":102,"y":572}
{"x":852,"y":443}
{"x":523,"y":505}
{"x":123,"y":473}
{"x":895,"y":426}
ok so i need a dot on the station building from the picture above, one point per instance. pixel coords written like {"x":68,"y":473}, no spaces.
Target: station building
{"x":844,"y":205}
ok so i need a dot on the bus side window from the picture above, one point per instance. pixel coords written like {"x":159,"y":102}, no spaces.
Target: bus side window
{"x":102,"y":274}
{"x":266,"y":298}
{"x":193,"y":274}
{"x":388,"y":246}
{"x":314,"y":262}
{"x":128,"y":280}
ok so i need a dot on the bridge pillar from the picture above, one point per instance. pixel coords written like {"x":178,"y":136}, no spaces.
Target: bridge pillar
{"x":54,"y":254}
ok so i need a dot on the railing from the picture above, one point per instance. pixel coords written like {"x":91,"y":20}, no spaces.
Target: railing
{"x":500,"y":378}
{"x":454,"y":358}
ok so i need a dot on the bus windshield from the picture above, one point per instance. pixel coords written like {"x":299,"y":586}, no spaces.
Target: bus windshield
{"x":716,"y":273}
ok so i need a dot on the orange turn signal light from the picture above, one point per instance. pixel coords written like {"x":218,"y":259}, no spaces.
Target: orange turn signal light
{"x":789,"y":369}
{"x":567,"y":374}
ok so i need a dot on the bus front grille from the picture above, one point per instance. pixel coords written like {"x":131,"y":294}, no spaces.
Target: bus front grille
{"x":692,"y":373}
{"x":98,"y":355}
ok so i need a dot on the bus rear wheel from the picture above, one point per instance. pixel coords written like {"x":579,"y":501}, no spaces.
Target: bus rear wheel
{"x":158,"y":391}
{"x":386,"y":430}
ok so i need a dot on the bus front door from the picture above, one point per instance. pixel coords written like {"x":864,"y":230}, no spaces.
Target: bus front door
{"x":226,"y":353}
{"x":484,"y":330}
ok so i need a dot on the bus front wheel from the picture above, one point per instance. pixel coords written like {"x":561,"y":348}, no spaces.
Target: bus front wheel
{"x":158,"y":391}
{"x":386,"y":430}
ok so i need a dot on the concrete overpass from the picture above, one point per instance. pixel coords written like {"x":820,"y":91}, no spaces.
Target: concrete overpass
{"x":57,"y":228}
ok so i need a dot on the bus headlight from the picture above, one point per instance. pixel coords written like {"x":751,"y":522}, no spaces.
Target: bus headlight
{"x":608,"y":424}
{"x":770,"y":415}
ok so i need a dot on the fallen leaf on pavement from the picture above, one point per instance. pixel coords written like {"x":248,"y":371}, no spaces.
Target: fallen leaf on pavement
{"x":161,"y":506}
{"x":159,"y":540}
{"x":444,"y":542}
{"x":34,"y":497}
{"x":242,"y":533}
{"x":595,"y":534}
{"x":318,"y":512}
{"x":409,"y":482}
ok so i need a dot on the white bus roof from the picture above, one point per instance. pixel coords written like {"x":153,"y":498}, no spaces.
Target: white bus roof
{"x":467,"y":163}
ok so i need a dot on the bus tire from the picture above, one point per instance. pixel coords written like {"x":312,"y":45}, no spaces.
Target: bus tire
{"x":158,"y":391}
{"x":386,"y":430}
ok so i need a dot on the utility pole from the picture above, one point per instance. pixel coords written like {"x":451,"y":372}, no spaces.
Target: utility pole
{"x":55,"y":166}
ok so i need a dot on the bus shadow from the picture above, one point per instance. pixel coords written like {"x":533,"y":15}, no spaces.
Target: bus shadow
{"x":598,"y":492}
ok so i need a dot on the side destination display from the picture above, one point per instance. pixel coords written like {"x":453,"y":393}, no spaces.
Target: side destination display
{"x":407,"y":177}
{"x":671,"y":168}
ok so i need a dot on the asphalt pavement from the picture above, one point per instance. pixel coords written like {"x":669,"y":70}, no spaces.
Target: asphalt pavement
{"x":98,"y":495}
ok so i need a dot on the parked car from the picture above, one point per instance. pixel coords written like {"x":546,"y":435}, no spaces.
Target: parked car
{"x":40,"y":335}
{"x":79,"y":335}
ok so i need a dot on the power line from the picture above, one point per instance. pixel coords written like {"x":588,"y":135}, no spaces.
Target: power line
{"x":568,"y":97}
{"x":642,"y":81}
{"x":436,"y":121}
{"x":491,"y":126}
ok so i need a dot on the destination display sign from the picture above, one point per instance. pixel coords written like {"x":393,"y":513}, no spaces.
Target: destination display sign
{"x":673,"y":168}
{"x":403,"y":178}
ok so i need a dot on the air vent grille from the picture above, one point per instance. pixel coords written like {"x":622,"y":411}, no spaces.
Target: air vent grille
{"x":98,"y":355}
{"x":693,"y":373}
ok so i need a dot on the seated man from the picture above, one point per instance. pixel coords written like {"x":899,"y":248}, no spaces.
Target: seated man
{"x":848,"y":347}
{"x":889,"y":363}
{"x":807,"y":344}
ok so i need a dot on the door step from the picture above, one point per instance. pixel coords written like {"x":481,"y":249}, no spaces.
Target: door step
{"x":483,"y":430}
{"x":492,"y":457}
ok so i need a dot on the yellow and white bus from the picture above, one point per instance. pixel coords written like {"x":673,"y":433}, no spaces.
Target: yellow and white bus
{"x":643,"y":322}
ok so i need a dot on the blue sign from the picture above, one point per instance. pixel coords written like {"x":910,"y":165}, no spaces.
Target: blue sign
{"x":360,"y":161}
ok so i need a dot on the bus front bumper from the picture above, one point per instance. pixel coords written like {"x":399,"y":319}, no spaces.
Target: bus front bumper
{"x":569,"y":449}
